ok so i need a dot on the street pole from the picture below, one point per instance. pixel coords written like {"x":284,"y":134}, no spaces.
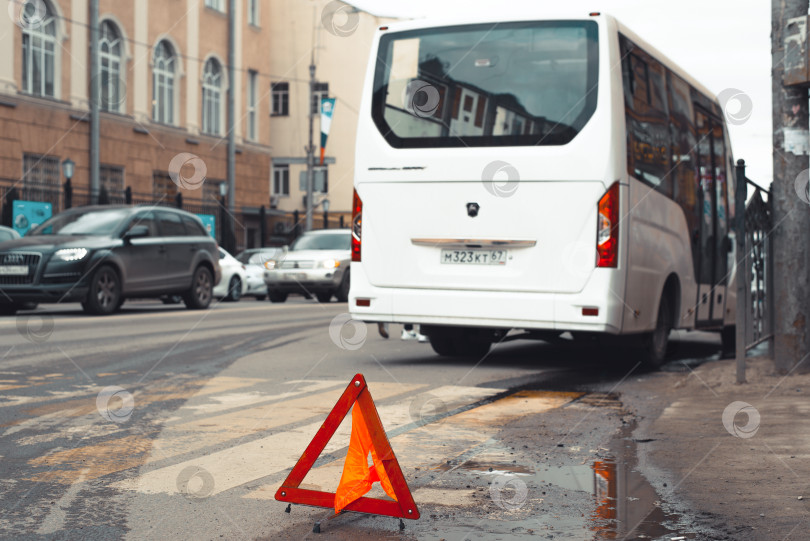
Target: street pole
{"x":95,"y":92}
{"x":231,"y":121}
{"x":310,"y":147}
{"x":740,"y":269}
{"x":791,"y":216}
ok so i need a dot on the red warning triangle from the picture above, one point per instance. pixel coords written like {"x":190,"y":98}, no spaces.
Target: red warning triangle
{"x":356,"y":392}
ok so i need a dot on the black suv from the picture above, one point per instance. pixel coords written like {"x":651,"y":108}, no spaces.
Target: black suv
{"x":101,"y":255}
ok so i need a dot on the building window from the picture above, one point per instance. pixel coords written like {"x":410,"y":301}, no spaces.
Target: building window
{"x":320,"y":91}
{"x":210,"y":190}
{"x":163,"y":188}
{"x":281,"y":180}
{"x":41,"y":177}
{"x":163,"y":84}
{"x":218,"y":5}
{"x":281,"y":99}
{"x":111,"y":178}
{"x":253,"y":12}
{"x":253,"y":95}
{"x":212,"y":98}
{"x":109,"y":56}
{"x":39,"y":50}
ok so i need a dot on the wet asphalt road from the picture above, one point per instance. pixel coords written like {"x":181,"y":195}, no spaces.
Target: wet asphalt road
{"x":159,"y":422}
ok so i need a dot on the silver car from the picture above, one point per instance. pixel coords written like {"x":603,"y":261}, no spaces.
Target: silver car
{"x":317,"y":263}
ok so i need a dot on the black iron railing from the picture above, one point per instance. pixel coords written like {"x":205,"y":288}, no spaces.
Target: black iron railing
{"x":758,"y":269}
{"x":754,"y":254}
{"x":271,"y":227}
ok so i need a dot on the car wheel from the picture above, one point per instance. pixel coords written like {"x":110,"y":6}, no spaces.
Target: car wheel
{"x":105,"y":292}
{"x":324,"y":296}
{"x":234,"y":289}
{"x":8,"y":309}
{"x":342,"y":293}
{"x":277,"y":296}
{"x":198,"y":297}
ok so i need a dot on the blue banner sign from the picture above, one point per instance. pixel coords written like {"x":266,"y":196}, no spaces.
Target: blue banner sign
{"x":29,"y":214}
{"x":209,"y":222}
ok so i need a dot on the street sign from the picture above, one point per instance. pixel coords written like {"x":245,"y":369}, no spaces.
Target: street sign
{"x":318,"y":183}
{"x":209,"y":222}
{"x":29,"y":214}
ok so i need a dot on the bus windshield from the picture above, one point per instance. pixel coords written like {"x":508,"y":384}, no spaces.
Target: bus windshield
{"x":510,"y":84}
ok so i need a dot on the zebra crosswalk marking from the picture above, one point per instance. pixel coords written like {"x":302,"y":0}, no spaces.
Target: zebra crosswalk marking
{"x":204,"y":432}
{"x":253,"y":460}
{"x":430,"y":446}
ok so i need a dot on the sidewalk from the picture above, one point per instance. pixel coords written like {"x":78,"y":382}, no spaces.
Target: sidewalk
{"x":752,"y":485}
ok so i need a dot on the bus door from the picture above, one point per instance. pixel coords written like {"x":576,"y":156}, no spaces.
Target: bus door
{"x":712,"y":276}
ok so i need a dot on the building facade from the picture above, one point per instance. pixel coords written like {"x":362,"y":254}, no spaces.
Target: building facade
{"x":336,"y":38}
{"x":164,"y":86}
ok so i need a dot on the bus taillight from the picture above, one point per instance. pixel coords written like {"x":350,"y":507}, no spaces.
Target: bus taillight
{"x":357,"y":223}
{"x":607,"y":232}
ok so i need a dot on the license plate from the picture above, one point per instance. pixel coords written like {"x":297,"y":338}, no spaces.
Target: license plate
{"x":14,"y":270}
{"x":473,"y":257}
{"x":295,"y":276}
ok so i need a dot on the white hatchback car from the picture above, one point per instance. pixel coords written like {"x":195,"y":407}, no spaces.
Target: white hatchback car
{"x":254,"y":260}
{"x":234,"y":278}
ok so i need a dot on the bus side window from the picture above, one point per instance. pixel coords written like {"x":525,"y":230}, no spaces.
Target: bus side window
{"x":646,"y":117}
{"x":684,"y":158}
{"x":721,"y":203}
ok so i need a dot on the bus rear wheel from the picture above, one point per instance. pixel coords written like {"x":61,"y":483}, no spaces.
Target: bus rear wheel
{"x":654,"y":345}
{"x":456,"y":342}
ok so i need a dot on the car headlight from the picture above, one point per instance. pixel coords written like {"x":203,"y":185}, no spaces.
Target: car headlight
{"x":270,"y":264}
{"x":70,"y":254}
{"x":330,"y":264}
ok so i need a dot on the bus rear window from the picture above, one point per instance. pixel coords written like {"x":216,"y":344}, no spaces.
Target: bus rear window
{"x":504,"y":84}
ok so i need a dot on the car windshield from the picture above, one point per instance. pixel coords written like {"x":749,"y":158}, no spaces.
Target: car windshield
{"x":331,"y":241}
{"x":255,"y":257}
{"x":260,"y":258}
{"x":98,"y":223}
{"x":500,"y":84}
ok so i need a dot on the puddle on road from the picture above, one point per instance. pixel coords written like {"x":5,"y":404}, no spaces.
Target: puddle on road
{"x":620,"y":502}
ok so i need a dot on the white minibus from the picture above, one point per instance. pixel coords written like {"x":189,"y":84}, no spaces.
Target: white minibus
{"x":540,"y":175}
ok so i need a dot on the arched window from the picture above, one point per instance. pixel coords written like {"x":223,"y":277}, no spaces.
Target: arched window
{"x":109,"y":57}
{"x":39,"y":49}
{"x":163,"y":84}
{"x":212,"y":97}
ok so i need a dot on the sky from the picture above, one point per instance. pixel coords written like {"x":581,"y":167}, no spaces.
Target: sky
{"x":724,"y":44}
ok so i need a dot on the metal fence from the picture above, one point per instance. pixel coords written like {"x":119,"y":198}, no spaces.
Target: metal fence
{"x":272,"y":227}
{"x":755,"y":298}
{"x":758,"y":269}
